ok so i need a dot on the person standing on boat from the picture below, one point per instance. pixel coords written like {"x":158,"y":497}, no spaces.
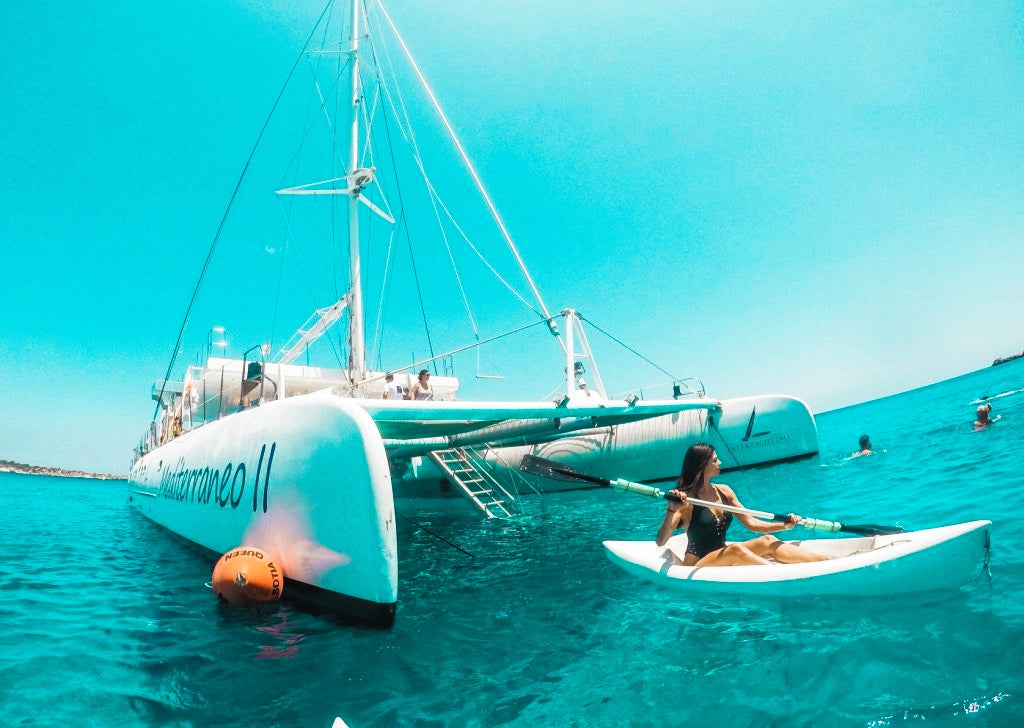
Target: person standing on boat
{"x":705,"y":528}
{"x":392,"y":390}
{"x":421,"y":389}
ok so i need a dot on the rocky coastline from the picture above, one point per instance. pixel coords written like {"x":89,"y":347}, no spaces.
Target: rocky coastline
{"x":1004,"y":359}
{"x":7,"y":466}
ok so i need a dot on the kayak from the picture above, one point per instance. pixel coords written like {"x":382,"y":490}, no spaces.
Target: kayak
{"x":899,"y":563}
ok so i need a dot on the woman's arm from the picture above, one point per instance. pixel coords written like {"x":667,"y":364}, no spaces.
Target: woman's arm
{"x":755,"y":524}
{"x":674,"y":518}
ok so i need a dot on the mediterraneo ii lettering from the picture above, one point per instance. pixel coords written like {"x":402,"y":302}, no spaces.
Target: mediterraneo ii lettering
{"x":222,"y":486}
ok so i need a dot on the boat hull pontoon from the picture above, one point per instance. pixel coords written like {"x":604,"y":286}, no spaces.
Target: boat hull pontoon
{"x":745,"y":432}
{"x":305,"y":479}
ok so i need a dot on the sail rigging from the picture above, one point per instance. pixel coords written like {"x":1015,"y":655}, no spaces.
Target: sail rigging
{"x":367,"y":96}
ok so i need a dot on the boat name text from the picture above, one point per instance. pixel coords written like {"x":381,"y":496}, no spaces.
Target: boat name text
{"x":762,"y":442}
{"x":224,"y":487}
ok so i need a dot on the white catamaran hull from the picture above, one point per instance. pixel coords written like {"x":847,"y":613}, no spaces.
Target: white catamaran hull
{"x":935,"y":558}
{"x":305,"y":479}
{"x":747,"y":432}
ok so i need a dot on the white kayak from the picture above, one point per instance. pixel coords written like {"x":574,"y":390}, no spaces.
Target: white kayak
{"x":935,"y":558}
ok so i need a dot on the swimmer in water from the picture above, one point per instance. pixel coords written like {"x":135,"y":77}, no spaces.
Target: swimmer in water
{"x":984,"y":417}
{"x":865,"y":447}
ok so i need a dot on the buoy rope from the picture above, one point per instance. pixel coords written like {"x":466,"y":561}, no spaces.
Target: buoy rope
{"x":711,"y":420}
{"x":435,"y":535}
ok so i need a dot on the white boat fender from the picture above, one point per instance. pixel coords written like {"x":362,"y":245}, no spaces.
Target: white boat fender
{"x":248,"y":576}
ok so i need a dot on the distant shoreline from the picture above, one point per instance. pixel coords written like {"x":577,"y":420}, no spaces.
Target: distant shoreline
{"x":1004,"y":359}
{"x":7,"y":466}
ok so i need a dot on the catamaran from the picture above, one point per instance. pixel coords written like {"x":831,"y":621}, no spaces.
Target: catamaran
{"x":275,"y":450}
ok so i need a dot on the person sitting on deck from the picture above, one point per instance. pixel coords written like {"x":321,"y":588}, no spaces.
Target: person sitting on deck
{"x":706,"y":527}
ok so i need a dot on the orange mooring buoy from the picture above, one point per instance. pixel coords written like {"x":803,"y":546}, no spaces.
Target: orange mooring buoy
{"x":247,"y":575}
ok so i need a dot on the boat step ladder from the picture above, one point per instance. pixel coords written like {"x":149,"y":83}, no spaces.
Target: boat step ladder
{"x":476,"y":483}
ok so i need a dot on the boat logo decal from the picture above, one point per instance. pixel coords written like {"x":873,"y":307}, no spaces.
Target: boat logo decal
{"x":750,"y":427}
{"x":759,"y":439}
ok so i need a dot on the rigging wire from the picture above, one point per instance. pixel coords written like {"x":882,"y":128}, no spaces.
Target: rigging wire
{"x":385,"y":294}
{"x":401,"y":220}
{"x":468,"y":163}
{"x":627,"y":347}
{"x":475,"y":345}
{"x":404,"y":225}
{"x":400,"y":113}
{"x":436,"y":197}
{"x":286,"y":210}
{"x":347,"y":284}
{"x":709,"y":419}
{"x":419,"y":289}
{"x":394,"y":101}
{"x":318,"y":111}
{"x":223,"y":221}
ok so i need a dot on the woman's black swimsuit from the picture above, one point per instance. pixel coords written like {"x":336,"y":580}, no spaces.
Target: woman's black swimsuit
{"x":706,"y":531}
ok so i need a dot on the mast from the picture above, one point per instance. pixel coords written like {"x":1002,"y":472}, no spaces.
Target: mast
{"x":357,"y":357}
{"x":356,"y":179}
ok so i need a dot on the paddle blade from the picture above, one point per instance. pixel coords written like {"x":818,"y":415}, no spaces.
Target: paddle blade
{"x":550,"y":469}
{"x":868,"y":529}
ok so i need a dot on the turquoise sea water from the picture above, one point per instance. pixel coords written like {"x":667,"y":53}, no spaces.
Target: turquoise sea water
{"x":106,"y":620}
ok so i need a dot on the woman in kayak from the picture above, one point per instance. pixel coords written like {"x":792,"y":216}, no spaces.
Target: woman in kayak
{"x":705,"y":528}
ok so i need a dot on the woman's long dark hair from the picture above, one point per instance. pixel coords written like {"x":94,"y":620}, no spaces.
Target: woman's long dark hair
{"x":695,"y":461}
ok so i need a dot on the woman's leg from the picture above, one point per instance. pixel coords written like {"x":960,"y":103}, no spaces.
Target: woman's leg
{"x":734,"y":554}
{"x":782,"y":552}
{"x":790,"y":553}
{"x":758,"y":551}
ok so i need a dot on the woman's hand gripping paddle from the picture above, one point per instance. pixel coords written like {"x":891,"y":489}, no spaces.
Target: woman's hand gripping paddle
{"x":557,"y":471}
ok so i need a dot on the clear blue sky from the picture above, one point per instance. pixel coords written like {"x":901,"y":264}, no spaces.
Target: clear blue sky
{"x":821,"y":199}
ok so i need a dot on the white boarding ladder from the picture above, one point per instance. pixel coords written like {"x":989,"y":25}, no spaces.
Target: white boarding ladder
{"x":477,"y":485}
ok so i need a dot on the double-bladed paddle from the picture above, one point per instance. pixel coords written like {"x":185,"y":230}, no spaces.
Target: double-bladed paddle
{"x":550,"y":469}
